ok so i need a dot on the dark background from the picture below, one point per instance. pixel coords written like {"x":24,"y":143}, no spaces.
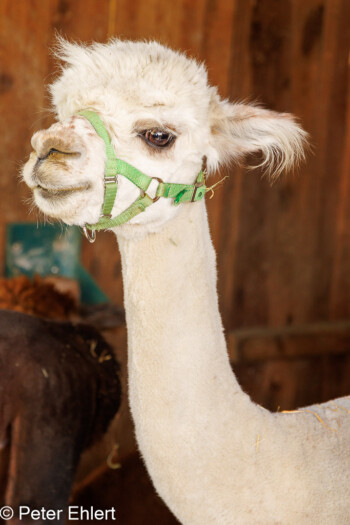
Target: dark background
{"x":283,"y":249}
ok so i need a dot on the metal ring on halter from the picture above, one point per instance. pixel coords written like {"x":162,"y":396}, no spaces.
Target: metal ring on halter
{"x":91,"y":238}
{"x":160,"y":181}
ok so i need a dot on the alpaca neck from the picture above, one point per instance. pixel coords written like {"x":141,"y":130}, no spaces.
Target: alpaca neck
{"x":198,"y":432}
{"x":173,"y":320}
{"x":183,"y":393}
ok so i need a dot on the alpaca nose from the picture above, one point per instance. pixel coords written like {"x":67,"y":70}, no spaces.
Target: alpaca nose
{"x":47,"y":144}
{"x":56,"y":152}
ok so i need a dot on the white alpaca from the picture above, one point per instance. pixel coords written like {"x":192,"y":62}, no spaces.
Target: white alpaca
{"x":214,"y":456}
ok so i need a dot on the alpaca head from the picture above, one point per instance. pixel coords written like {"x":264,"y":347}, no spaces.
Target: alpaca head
{"x":163,"y":118}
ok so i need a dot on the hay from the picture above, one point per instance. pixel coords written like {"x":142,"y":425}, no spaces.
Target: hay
{"x":306,"y":410}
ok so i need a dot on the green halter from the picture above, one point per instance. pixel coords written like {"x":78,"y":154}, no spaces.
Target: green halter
{"x":114,"y":167}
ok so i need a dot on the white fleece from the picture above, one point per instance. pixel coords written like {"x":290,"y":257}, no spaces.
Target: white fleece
{"x":214,"y":456}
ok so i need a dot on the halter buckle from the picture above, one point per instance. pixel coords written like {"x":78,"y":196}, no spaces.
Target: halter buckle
{"x":111,"y":179}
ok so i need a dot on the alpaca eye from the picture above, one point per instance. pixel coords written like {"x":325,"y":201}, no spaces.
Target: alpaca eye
{"x":158,"y":138}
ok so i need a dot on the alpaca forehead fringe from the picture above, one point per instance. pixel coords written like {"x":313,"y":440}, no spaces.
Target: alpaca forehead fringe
{"x":147,"y":71}
{"x":127,"y":53}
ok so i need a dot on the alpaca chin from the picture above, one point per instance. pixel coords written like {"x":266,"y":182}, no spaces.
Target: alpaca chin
{"x":73,"y":209}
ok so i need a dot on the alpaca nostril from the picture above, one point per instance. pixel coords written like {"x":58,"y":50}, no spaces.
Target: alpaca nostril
{"x":53,"y":151}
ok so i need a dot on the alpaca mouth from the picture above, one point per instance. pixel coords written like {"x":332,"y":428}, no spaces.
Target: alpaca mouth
{"x":59,"y":193}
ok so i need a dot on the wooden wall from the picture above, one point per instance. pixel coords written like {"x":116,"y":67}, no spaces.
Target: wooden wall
{"x":283,"y":249}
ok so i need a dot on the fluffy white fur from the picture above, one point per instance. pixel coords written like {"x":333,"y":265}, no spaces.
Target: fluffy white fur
{"x":213,"y":455}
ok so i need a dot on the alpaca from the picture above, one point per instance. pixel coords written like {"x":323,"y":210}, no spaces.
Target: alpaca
{"x":213,"y":455}
{"x":56,"y":399}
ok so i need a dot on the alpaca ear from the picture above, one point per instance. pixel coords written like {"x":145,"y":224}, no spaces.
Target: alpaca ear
{"x":239,"y":129}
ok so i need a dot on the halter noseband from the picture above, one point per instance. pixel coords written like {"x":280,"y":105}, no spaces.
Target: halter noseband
{"x":114,"y":167}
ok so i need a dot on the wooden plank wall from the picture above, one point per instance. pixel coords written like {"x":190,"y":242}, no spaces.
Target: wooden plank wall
{"x":283,"y":250}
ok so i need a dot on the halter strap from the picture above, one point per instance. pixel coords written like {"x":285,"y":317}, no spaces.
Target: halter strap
{"x":114,"y":167}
